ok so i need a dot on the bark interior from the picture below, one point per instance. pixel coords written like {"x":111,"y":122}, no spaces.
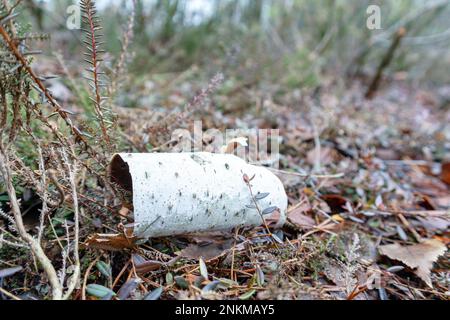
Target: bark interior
{"x":119,"y":173}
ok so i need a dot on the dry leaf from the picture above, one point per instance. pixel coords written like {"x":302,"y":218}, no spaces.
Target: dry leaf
{"x":124,"y":211}
{"x":336,"y":202}
{"x":208,"y":251}
{"x":434,"y":223}
{"x":445,"y":174}
{"x":110,"y":242}
{"x":420,"y":256}
{"x":327,"y":156}
{"x":443,"y":201}
{"x":144,"y":266}
{"x":301,"y":220}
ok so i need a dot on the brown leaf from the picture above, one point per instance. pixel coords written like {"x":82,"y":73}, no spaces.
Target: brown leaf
{"x":434,"y":223}
{"x":336,"y":202}
{"x":443,"y":201}
{"x":431,"y":186}
{"x":273,"y":219}
{"x":298,"y":217}
{"x":445,"y":173}
{"x":327,"y":156}
{"x":144,"y":266}
{"x":111,"y":242}
{"x":420,"y":256}
{"x":9,"y":272}
{"x":124,"y":211}
{"x":128,"y":288}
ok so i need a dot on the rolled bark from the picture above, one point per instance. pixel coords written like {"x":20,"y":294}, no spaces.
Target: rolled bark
{"x":181,"y":193}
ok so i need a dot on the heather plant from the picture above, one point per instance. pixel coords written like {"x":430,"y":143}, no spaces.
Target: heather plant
{"x":44,"y":148}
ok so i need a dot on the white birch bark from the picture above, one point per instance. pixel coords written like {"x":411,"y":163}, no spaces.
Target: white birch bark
{"x":180,"y":193}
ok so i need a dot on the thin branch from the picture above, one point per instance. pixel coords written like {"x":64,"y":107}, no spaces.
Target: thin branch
{"x":32,"y":242}
{"x":88,"y":8}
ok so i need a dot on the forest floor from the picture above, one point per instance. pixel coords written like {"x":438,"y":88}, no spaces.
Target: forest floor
{"x":368,"y":187}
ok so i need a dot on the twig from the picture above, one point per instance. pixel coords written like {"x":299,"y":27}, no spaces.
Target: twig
{"x":233,"y":254}
{"x":9,"y":294}
{"x":85,"y":279}
{"x":385,"y":62}
{"x":304,"y":175}
{"x":410,"y":228}
{"x":116,"y":280}
{"x":37,"y":250}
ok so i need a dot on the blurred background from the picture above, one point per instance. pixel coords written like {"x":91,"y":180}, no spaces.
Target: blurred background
{"x":363,"y":116}
{"x":309,"y":68}
{"x":292,"y":42}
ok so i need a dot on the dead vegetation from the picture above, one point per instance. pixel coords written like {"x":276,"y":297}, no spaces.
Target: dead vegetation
{"x":367,"y":180}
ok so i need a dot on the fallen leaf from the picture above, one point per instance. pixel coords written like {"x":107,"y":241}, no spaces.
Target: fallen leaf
{"x":445,"y":173}
{"x":301,"y":220}
{"x":443,"y":201}
{"x":104,"y":268}
{"x":155,"y":294}
{"x":124,"y":211}
{"x":111,"y":242}
{"x":419,"y":257}
{"x":274,"y":219}
{"x":99,"y":291}
{"x":144,"y":266}
{"x":128,"y":288}
{"x":208,"y":252}
{"x":336,"y":202}
{"x":327,"y":156}
{"x":203,"y":268}
{"x":181,"y":282}
{"x":247,"y":295}
{"x":434,"y":223}
{"x":211,"y":286}
{"x":431,"y":186}
{"x":9,"y":271}
{"x":337,"y":217}
{"x":387,"y":154}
